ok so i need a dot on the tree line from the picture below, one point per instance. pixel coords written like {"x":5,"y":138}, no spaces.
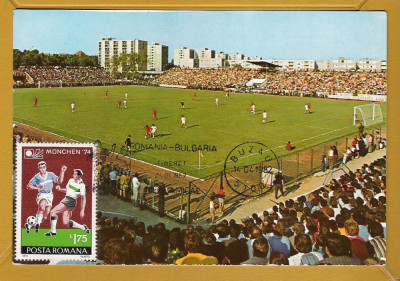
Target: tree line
{"x":35,"y":58}
{"x":127,"y":65}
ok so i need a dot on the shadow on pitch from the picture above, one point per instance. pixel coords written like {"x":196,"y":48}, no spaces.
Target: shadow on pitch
{"x":272,"y":121}
{"x":192,"y":126}
{"x":162,"y":118}
{"x":162,"y":135}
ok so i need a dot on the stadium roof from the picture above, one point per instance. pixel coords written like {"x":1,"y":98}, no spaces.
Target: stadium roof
{"x":263,"y":63}
{"x":253,"y":82}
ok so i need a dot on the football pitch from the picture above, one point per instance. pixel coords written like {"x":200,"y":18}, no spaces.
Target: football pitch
{"x":216,"y":130}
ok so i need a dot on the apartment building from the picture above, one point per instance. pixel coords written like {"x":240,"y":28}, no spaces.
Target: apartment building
{"x":157,"y":57}
{"x":109,"y":47}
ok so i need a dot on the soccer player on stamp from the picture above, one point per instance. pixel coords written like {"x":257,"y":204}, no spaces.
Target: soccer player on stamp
{"x":182,"y":104}
{"x":153,"y":130}
{"x":264,"y":117}
{"x":155,"y":114}
{"x":183,"y":122}
{"x":75,"y":189}
{"x":43,"y":183}
{"x":73,"y":107}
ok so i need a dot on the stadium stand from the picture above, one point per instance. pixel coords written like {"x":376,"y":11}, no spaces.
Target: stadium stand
{"x":347,"y":214}
{"x":350,"y":212}
{"x":279,"y":82}
{"x":69,"y":76}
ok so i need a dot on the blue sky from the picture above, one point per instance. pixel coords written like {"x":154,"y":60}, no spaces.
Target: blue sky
{"x":280,"y":35}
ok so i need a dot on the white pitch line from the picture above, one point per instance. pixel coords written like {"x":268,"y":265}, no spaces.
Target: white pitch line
{"x":324,"y":133}
{"x":222,"y":131}
{"x":284,"y":145}
{"x":317,"y":127}
{"x":141,"y":161}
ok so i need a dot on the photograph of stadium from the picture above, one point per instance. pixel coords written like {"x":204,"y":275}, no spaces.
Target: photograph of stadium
{"x":223,"y":137}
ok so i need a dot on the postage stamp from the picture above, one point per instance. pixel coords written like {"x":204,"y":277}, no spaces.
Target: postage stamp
{"x":55,"y":204}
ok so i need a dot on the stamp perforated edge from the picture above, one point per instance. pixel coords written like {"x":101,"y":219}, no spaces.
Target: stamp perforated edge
{"x":52,"y":259}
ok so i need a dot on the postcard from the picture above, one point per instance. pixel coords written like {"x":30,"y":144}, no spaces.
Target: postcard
{"x":199,"y":137}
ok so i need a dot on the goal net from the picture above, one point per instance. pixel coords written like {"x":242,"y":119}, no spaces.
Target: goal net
{"x":367,"y":114}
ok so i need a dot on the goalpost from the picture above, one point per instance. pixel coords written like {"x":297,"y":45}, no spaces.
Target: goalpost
{"x":368,"y":114}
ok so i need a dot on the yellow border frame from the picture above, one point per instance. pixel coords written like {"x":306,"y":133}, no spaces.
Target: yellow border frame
{"x":8,"y":271}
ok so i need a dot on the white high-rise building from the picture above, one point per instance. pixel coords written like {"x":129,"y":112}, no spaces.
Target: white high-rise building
{"x":236,"y":57}
{"x":157,"y":57}
{"x":343,"y":64}
{"x":373,"y":65}
{"x":108,"y":47}
{"x":207,"y":59}
{"x":294,"y":65}
{"x":185,"y":58}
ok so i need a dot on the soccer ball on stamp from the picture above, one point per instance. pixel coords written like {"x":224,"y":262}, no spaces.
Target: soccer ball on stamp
{"x":31,"y":221}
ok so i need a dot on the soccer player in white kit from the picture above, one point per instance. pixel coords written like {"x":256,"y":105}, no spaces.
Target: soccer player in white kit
{"x":216,"y":101}
{"x":183,"y":122}
{"x":75,"y":189}
{"x":253,"y":108}
{"x":126,"y":95}
{"x":73,"y":107}
{"x":125,"y":101}
{"x":43,"y":183}
{"x":264,"y":117}
{"x":153,"y":130}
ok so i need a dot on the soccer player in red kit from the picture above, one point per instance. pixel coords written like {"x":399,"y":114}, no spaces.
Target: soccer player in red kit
{"x":155,"y":114}
{"x":106,"y":95}
{"x":195,"y":97}
{"x":119,"y":104}
{"x":35,"y":102}
{"x":309,"y":107}
{"x":148,"y":131}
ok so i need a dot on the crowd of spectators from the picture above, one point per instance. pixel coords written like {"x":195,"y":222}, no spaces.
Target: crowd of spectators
{"x":279,"y":82}
{"x":23,"y":138}
{"x":69,"y":76}
{"x":343,"y":223}
{"x":213,"y":78}
{"x":360,"y":146}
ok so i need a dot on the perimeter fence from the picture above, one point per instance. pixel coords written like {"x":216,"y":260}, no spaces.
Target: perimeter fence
{"x":187,"y":199}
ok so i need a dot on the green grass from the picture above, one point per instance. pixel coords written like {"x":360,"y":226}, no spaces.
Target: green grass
{"x":64,"y":238}
{"x":224,"y":126}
